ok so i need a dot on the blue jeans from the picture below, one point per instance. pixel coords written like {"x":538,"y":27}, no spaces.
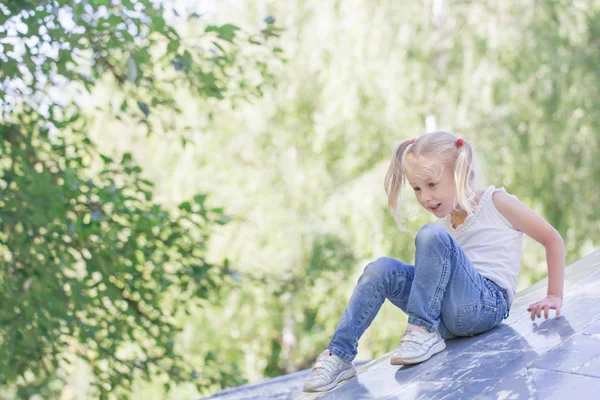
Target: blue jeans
{"x":443,"y":292}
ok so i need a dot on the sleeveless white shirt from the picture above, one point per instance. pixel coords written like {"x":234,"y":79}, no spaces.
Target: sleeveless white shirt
{"x":490,"y":242}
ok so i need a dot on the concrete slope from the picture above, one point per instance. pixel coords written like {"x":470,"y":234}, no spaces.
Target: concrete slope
{"x":520,"y":359}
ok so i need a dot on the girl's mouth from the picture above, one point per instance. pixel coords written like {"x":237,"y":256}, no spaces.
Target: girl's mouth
{"x":436,"y":207}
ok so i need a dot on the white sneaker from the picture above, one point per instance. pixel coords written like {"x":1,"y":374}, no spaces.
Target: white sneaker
{"x":417,"y":345}
{"x":327,"y":372}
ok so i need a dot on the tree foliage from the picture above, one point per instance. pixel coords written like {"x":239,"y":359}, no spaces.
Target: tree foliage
{"x":513,"y":79}
{"x":298,"y":169}
{"x":93,"y":268}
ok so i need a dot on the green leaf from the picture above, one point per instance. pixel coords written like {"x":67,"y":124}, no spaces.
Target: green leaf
{"x":173,"y":46}
{"x":7,"y":47}
{"x":9,"y":68}
{"x":158,"y":23}
{"x":227,"y":32}
{"x":200,"y":198}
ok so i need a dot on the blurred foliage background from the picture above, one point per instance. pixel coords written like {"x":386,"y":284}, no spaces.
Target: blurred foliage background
{"x":189,"y":190}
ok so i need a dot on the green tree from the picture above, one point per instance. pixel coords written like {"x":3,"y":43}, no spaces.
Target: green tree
{"x":307,"y":160}
{"x":512,"y":78}
{"x":92,"y":267}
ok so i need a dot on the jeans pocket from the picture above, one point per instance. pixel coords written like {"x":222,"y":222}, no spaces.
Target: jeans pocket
{"x":475,"y":318}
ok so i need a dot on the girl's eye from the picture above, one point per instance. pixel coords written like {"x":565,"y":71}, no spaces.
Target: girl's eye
{"x":432,"y":185}
{"x":416,"y":189}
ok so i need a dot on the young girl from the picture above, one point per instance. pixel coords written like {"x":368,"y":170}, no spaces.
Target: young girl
{"x":466,"y":265}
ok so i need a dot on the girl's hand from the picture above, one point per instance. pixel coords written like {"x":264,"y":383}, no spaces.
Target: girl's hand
{"x":546,"y":304}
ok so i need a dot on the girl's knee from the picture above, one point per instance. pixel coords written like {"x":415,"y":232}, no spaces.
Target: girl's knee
{"x":382,"y":267}
{"x":430,"y":235}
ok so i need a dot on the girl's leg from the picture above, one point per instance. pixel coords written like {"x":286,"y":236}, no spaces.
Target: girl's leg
{"x":384,"y":278}
{"x":400,"y":299}
{"x":448,"y":289}
{"x":381,"y":279}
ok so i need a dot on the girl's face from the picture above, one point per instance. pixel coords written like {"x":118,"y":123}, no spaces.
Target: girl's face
{"x":434,"y":187}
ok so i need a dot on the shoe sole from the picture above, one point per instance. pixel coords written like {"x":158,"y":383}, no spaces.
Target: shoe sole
{"x":436,"y":348}
{"x":344,"y":375}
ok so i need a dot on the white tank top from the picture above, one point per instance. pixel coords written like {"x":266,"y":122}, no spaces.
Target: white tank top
{"x":491,"y":243}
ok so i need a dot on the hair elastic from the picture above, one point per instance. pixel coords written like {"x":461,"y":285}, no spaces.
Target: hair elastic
{"x":413,"y":140}
{"x":459,"y":142}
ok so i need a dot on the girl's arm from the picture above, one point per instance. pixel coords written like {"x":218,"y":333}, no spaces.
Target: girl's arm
{"x":527,"y":221}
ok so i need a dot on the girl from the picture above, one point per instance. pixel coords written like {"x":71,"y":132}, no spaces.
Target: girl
{"x":466,"y":265}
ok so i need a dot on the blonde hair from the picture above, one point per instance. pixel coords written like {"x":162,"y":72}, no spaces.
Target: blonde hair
{"x":438,"y":149}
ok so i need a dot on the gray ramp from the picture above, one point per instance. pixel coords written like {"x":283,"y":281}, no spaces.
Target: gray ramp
{"x":520,"y":359}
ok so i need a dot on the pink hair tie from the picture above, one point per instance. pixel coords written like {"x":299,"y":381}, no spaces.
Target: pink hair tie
{"x":459,"y":142}
{"x":413,"y":140}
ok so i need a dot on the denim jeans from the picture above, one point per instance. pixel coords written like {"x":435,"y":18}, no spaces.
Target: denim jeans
{"x":443,"y":292}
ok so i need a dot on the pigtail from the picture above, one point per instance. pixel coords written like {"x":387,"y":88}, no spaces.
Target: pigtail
{"x":394,"y":180}
{"x":464,"y":176}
